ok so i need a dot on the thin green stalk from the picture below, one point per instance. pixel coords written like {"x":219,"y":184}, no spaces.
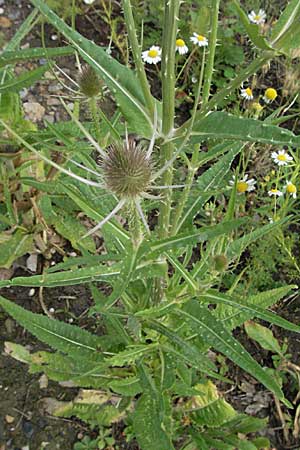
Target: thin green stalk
{"x":212,"y":49}
{"x":236,"y":82}
{"x":193,"y":164}
{"x":168,"y":100}
{"x":94,"y":112}
{"x":136,"y":52}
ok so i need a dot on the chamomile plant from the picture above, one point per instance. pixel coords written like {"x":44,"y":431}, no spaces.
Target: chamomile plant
{"x":139,"y":184}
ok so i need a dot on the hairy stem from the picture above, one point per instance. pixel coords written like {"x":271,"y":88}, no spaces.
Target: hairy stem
{"x":212,"y":49}
{"x":136,"y":52}
{"x":168,"y":99}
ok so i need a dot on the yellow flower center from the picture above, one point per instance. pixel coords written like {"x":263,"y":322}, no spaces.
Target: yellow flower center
{"x":248,"y":91}
{"x":257,"y":17}
{"x":180,"y":43}
{"x":281,"y":157}
{"x":241,"y":186}
{"x":153,"y":53}
{"x":271,"y":94}
{"x":291,"y":188}
{"x":200,"y":38}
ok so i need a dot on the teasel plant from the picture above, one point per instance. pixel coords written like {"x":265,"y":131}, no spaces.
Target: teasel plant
{"x":163,"y":309}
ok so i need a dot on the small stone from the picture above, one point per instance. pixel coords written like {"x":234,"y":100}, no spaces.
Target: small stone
{"x":31,"y":292}
{"x":31,"y":262}
{"x":5,"y":22}
{"x":9,"y":419}
{"x":34,"y":111}
{"x":10,"y":326}
{"x":43,"y":381}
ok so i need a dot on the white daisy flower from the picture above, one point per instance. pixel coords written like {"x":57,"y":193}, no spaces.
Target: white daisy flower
{"x":199,"y":40}
{"x":275,"y":193}
{"x":153,"y":55}
{"x":181,"y":47}
{"x":247,"y":93}
{"x":291,"y":189}
{"x":257,"y":18}
{"x":244,"y":185}
{"x":281,"y":158}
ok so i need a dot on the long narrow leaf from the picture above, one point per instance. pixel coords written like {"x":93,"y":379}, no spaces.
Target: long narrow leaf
{"x":59,"y":335}
{"x":213,"y":296}
{"x":214,"y":332}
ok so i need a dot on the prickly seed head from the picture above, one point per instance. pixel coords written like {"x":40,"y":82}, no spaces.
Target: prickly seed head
{"x":89,"y":82}
{"x":220,"y":263}
{"x":127,"y":170}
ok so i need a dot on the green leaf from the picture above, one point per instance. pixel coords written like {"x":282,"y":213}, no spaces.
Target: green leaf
{"x":213,"y":331}
{"x":130,"y":260}
{"x":210,"y":410}
{"x":149,"y":417}
{"x":184,"y":239}
{"x":119,"y":79}
{"x":210,"y":179}
{"x":236,"y":248}
{"x":237,"y":128}
{"x":13,"y":57}
{"x":128,"y":386}
{"x":67,"y":278}
{"x":59,"y":335}
{"x":13,"y":246}
{"x":129,"y":356}
{"x":24,"y":80}
{"x":188,"y":352}
{"x":287,"y":19}
{"x":233,"y":318}
{"x":85,"y":206}
{"x":263,"y":336}
{"x":213,"y":296}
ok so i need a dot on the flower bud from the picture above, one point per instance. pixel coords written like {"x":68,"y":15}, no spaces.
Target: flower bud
{"x":89,"y":82}
{"x":220,"y":263}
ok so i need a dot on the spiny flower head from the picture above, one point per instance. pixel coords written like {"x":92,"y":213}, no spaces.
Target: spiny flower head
{"x":258,"y":18}
{"x":282,"y":158}
{"x":127,"y":170}
{"x":181,"y":47}
{"x":247,"y":93}
{"x":153,"y":55}
{"x":220,"y":263}
{"x":270,"y":95}
{"x":89,"y":82}
{"x":199,"y":39}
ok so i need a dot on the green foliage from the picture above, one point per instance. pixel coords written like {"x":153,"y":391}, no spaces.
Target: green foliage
{"x":164,"y":294}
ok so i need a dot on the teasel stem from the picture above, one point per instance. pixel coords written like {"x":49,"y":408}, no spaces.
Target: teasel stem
{"x":211,"y":51}
{"x":193,"y":165}
{"x":94,"y":112}
{"x":136,"y":52}
{"x":135,"y":225}
{"x":168,"y":102}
